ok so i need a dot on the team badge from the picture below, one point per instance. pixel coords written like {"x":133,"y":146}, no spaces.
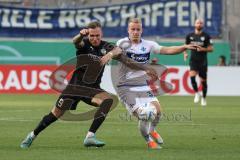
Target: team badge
{"x":202,"y":38}
{"x":143,"y":49}
{"x":103,"y":51}
{"x":191,"y":38}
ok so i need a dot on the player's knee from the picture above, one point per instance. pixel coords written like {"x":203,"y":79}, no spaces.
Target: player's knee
{"x":157,"y":107}
{"x":57,"y":112}
{"x":100,"y":98}
{"x":147,"y":112}
{"x":192,"y":73}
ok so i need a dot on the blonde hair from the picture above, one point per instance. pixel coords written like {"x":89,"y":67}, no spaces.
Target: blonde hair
{"x":135,"y":20}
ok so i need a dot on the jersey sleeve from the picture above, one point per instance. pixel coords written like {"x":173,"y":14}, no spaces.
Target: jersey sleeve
{"x":209,"y":41}
{"x":109,"y":46}
{"x":187,"y":39}
{"x":123,"y":44}
{"x":156,"y":48}
{"x":118,"y":42}
{"x":81,"y":49}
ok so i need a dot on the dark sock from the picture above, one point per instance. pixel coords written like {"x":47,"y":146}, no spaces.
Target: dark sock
{"x":46,"y":121}
{"x":101,"y":114}
{"x":204,"y":89}
{"x":194,"y":84}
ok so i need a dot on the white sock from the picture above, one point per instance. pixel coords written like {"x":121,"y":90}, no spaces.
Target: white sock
{"x":90,"y":134}
{"x":155,"y":122}
{"x":144,"y":128}
{"x":33,"y":135}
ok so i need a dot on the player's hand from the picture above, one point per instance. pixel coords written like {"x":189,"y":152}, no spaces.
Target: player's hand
{"x":106,"y":58}
{"x":185,"y":56}
{"x":191,"y":46}
{"x":152,"y":73}
{"x":200,"y":49}
{"x":110,"y":55}
{"x":84,"y":32}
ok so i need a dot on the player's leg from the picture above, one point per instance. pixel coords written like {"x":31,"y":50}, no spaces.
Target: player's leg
{"x":154,"y":134}
{"x":62,"y":105}
{"x":193,"y":74}
{"x":145,"y":130}
{"x":133,"y":101}
{"x":146,"y":127}
{"x":104,"y":102}
{"x":203,"y":79}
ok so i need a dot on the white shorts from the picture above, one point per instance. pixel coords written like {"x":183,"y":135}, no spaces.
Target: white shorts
{"x":134,"y":97}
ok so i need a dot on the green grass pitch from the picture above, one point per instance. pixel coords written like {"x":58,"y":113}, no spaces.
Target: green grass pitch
{"x":190,"y":131}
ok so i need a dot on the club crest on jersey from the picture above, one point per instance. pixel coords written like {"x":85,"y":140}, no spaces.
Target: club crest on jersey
{"x":191,"y":38}
{"x":143,"y":49}
{"x":103,"y":51}
{"x":202,"y":38}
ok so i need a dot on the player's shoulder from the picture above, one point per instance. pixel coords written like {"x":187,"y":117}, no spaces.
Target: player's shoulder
{"x":108,"y":46}
{"x":205,"y":34}
{"x":103,"y":42}
{"x":123,"y":39}
{"x":148,"y":42}
{"x":152,"y":45}
{"x":190,"y":34}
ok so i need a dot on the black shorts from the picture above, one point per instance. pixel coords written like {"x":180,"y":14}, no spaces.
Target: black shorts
{"x":200,"y":68}
{"x":68,"y":100}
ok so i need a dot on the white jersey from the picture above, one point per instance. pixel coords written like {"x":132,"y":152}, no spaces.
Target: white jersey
{"x":139,"y":53}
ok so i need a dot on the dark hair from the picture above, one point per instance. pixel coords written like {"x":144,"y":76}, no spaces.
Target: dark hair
{"x":94,"y":24}
{"x":223,"y":57}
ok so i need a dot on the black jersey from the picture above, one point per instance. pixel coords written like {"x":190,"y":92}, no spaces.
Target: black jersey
{"x":203,"y":40}
{"x":87,"y":49}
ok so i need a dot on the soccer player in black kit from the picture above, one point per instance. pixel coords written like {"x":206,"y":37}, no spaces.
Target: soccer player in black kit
{"x":198,"y":59}
{"x":88,"y":42}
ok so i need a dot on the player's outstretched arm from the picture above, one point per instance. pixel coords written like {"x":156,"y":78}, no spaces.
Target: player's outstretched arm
{"x":176,"y":49}
{"x":138,"y":66}
{"x":116,"y":53}
{"x":113,"y":54}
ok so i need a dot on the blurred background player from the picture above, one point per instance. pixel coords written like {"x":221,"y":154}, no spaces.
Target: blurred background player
{"x":222,"y":61}
{"x":198,"y":59}
{"x":139,"y":50}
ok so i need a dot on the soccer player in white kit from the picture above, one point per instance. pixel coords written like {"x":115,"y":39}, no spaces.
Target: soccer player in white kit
{"x":132,"y":88}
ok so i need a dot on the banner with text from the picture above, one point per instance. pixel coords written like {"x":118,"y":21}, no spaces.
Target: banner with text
{"x":35,"y":79}
{"x":172,"y":18}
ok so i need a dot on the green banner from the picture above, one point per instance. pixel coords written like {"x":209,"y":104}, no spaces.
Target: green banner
{"x":28,"y":52}
{"x":33,"y":52}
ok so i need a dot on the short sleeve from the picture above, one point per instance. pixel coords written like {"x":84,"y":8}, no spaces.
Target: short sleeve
{"x":209,"y":41}
{"x":118,"y":42}
{"x":81,"y":49}
{"x":123,"y":43}
{"x":109,"y":46}
{"x":156,"y":48}
{"x":187,"y":39}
